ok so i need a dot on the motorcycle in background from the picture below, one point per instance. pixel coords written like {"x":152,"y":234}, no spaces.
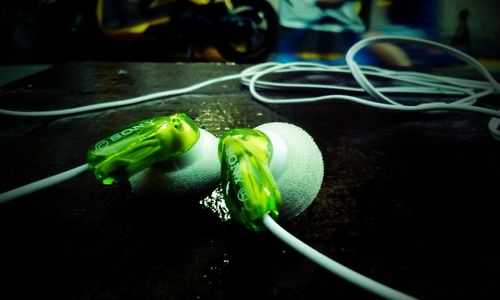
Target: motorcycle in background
{"x":240,"y":30}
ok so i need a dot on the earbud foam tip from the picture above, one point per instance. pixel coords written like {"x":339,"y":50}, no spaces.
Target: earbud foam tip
{"x":301,"y":176}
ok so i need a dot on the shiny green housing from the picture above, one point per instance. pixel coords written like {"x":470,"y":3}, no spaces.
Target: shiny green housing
{"x":135,"y":147}
{"x":249,"y":188}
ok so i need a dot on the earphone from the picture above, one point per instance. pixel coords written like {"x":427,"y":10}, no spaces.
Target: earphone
{"x":274,"y":169}
{"x":469,"y":90}
{"x":160,"y":153}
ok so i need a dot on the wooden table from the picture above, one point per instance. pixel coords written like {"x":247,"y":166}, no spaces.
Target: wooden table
{"x":408,"y":199}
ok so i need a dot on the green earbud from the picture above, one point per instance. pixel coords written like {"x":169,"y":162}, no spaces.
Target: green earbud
{"x":135,"y":147}
{"x":249,"y":187}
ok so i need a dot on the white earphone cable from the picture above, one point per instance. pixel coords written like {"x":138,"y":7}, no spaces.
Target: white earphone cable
{"x":370,"y":89}
{"x":41,"y":184}
{"x":118,"y":103}
{"x":421,"y":83}
{"x":333,"y":266}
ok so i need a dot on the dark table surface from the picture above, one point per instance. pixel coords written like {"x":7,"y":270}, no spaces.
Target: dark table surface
{"x":410,"y":200}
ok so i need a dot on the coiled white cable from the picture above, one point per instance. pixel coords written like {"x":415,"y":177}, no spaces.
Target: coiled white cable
{"x":370,"y":89}
{"x":422,"y":83}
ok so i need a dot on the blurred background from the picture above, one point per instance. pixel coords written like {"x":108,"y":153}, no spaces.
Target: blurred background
{"x":35,"y":34}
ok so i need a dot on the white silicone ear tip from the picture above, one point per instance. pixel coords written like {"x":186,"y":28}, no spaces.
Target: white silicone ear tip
{"x":297,"y":166}
{"x":194,"y":172}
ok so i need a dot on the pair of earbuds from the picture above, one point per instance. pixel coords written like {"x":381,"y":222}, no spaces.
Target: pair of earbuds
{"x":274,"y":169}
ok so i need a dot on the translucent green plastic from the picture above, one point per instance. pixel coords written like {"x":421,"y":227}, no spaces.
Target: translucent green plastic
{"x":249,"y":188}
{"x":135,"y":147}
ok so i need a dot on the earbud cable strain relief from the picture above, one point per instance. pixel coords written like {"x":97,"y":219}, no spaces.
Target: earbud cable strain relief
{"x":332,"y":265}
